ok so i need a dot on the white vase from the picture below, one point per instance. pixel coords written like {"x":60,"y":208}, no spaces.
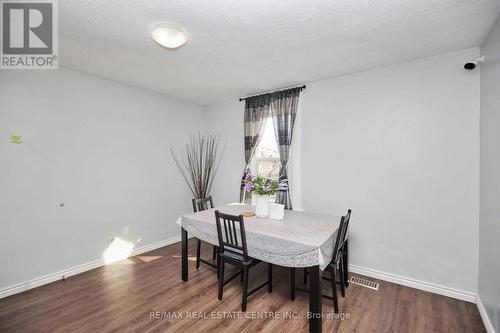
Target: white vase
{"x":262,"y":205}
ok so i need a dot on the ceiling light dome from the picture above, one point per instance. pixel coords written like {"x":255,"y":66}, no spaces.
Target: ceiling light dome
{"x":169,"y":36}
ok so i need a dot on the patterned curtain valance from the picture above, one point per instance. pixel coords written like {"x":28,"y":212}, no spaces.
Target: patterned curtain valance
{"x":255,"y":102}
{"x":266,"y":99}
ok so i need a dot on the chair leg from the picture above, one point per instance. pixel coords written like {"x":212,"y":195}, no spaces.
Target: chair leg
{"x":198,"y":250}
{"x":269,"y":278}
{"x":214,"y":252}
{"x":218,"y":264}
{"x":305,"y":275}
{"x":341,"y":276}
{"x":221,"y":276}
{"x":245,"y":289}
{"x":241,"y":275}
{"x":292,"y":283}
{"x":346,"y":263}
{"x":334,"y":291}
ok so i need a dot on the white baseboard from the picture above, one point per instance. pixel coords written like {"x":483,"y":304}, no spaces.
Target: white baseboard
{"x":405,"y":281}
{"x":79,"y":269}
{"x":488,"y":325}
{"x":412,"y":283}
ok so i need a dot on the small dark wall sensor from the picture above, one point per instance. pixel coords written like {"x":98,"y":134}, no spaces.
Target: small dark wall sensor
{"x":471,"y":65}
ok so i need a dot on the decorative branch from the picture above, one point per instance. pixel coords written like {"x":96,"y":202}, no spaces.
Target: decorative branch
{"x":199,"y":162}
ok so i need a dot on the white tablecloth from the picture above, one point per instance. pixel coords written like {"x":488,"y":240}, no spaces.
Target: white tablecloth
{"x":300,"y":240}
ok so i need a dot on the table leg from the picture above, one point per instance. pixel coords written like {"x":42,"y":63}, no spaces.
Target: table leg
{"x":315,"y":310}
{"x":184,"y":254}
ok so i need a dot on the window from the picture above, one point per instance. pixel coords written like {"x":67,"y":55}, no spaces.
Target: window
{"x":266,"y":160}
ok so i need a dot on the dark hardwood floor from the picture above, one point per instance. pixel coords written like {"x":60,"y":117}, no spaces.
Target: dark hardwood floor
{"x":138,"y":294}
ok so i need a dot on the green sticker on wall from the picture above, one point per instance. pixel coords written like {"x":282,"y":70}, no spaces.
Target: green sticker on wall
{"x":16,"y":139}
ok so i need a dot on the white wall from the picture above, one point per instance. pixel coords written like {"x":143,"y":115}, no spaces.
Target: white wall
{"x":400,"y":146}
{"x":226,"y":119}
{"x":99,"y":147}
{"x":489,"y":225}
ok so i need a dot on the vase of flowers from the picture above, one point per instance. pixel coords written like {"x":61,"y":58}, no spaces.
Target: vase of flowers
{"x":262,"y":188}
{"x":262,"y":205}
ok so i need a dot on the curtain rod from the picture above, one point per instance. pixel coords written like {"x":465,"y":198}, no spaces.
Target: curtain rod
{"x":244,"y":98}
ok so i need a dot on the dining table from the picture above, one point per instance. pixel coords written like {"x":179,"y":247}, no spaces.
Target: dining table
{"x":300,"y":240}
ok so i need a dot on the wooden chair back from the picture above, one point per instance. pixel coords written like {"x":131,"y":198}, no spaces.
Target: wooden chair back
{"x":228,"y":229}
{"x":347,"y":218}
{"x":338,"y":240}
{"x":202,"y":204}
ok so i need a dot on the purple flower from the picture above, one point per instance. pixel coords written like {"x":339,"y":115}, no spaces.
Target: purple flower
{"x":248,"y":176}
{"x":249,"y":186}
{"x":266,"y":188}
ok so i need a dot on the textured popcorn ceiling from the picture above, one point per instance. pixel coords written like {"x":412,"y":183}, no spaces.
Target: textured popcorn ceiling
{"x":244,"y":47}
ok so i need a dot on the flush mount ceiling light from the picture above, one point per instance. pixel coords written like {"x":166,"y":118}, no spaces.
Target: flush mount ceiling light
{"x":169,"y":36}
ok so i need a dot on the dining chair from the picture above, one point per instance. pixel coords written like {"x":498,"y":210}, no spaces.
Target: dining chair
{"x":345,"y":249}
{"x":199,"y":205}
{"x":338,"y":262}
{"x":345,"y":252}
{"x":335,"y":264}
{"x":233,"y":250}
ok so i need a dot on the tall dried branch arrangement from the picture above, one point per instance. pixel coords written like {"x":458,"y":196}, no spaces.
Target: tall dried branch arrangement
{"x":198,"y":163}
